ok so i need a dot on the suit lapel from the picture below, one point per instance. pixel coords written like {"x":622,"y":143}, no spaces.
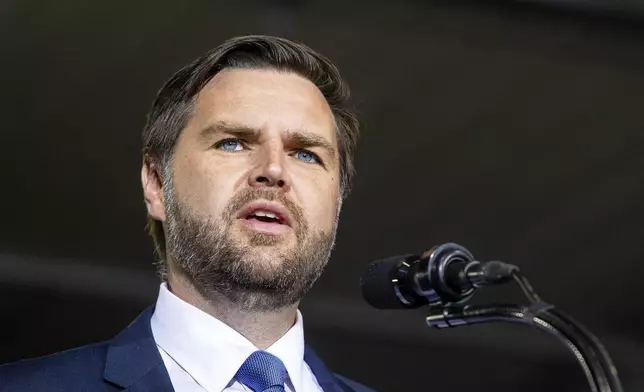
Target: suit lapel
{"x":133,"y":361}
{"x":327,"y":380}
{"x":157,"y":380}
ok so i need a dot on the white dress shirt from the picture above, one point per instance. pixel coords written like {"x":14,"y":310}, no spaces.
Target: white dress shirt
{"x":202,"y":354}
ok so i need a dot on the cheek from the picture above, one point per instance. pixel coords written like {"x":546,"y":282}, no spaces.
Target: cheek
{"x":322,"y":205}
{"x":204,"y":188}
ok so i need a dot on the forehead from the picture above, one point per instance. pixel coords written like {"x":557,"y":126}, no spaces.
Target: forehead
{"x":264,"y":99}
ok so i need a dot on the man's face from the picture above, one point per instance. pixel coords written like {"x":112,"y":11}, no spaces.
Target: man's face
{"x":252,"y":204}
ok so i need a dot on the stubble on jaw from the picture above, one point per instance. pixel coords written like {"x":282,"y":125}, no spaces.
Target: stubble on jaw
{"x":220,"y":266}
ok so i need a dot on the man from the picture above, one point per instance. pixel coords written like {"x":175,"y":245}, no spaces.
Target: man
{"x":247,"y":158}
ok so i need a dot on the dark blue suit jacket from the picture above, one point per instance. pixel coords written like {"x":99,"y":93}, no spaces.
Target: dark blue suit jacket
{"x":130,"y":362}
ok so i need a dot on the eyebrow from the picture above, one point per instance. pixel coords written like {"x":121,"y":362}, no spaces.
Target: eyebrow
{"x":222,"y":127}
{"x":298,"y":138}
{"x":308,"y":140}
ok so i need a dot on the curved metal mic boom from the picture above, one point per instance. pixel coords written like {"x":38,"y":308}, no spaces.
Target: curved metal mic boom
{"x":446,"y":277}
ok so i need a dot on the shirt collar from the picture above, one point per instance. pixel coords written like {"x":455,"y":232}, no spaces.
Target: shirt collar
{"x":211,"y":351}
{"x":290,"y":349}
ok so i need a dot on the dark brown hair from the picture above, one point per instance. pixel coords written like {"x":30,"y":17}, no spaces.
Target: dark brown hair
{"x":175,"y":101}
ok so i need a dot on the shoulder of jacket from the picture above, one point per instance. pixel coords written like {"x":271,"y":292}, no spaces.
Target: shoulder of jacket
{"x":54,"y":371}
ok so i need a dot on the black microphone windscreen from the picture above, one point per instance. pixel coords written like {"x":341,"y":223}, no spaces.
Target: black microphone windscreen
{"x":377,"y":286}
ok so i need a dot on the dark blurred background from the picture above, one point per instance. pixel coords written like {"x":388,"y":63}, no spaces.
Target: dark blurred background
{"x":514,"y":128}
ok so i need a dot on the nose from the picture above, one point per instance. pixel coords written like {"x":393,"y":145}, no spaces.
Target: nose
{"x":270,"y":170}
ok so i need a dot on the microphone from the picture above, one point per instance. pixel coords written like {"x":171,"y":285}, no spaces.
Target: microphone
{"x":448,"y":275}
{"x":445,"y":275}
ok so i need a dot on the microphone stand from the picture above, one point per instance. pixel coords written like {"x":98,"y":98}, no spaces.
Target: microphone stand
{"x":587,"y":349}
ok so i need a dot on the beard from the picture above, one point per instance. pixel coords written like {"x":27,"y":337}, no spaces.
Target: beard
{"x":254,"y":272}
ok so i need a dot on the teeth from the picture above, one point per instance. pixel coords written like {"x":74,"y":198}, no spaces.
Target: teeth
{"x":266,"y":214}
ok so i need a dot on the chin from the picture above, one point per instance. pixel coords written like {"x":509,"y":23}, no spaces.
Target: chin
{"x":264,"y":264}
{"x":249,"y":237}
{"x":264,"y":246}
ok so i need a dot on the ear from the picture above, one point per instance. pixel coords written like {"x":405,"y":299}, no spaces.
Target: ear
{"x":153,"y":189}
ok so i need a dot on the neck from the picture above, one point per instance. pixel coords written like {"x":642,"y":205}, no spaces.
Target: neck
{"x":260,"y":328}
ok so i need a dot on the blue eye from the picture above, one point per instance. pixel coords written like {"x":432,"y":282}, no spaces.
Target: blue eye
{"x":230,"y":145}
{"x":306,"y":156}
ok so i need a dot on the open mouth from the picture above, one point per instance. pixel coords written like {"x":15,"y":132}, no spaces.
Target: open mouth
{"x":265,"y":216}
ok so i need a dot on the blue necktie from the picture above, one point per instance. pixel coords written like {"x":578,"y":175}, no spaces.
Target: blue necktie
{"x":262,"y":372}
